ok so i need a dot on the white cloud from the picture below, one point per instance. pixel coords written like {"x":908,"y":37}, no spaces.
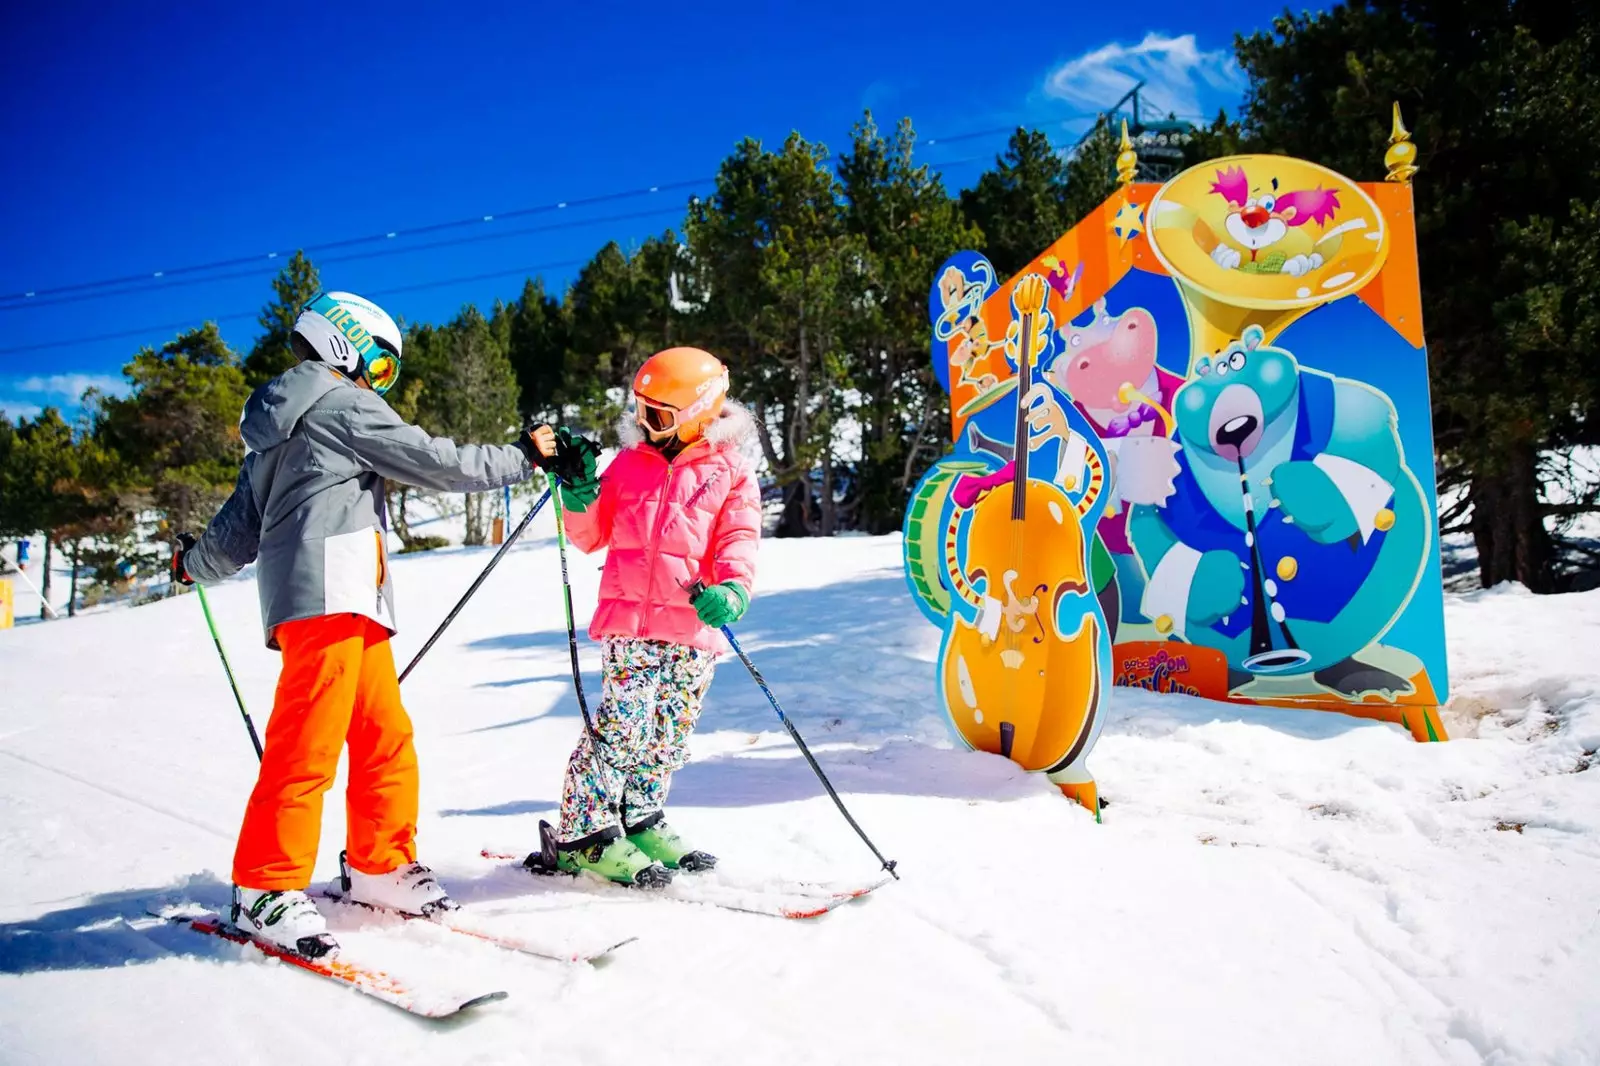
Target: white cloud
{"x":70,"y":386}
{"x":1175,"y":71}
{"x":19,"y":412}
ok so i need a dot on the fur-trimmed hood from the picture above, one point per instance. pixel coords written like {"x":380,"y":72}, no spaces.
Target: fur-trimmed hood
{"x":734,"y":428}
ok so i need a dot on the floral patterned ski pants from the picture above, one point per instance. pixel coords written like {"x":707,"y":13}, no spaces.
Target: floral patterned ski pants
{"x":650,"y":698}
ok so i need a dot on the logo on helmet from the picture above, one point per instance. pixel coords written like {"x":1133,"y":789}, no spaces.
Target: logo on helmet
{"x":707,"y":391}
{"x":346,"y":323}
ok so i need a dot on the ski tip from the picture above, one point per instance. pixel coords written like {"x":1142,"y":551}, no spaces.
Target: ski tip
{"x":478,"y":1001}
{"x":836,"y":901}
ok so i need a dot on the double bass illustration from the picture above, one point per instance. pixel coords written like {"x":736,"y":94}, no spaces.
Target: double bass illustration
{"x":1022,"y":678}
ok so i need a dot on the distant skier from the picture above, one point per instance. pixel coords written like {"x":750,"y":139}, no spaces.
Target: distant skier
{"x":309,"y":508}
{"x":679,"y":503}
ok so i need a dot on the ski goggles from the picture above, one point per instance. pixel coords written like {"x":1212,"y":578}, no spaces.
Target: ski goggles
{"x":657,"y":419}
{"x":383,"y":370}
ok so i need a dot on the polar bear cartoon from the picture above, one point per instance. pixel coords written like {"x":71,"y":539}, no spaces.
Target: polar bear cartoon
{"x":1295,"y":534}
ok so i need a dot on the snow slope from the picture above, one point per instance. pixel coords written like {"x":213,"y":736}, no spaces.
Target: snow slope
{"x":1267,"y":887}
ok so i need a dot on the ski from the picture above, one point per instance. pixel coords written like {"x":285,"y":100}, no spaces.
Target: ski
{"x":426,"y":1003}
{"x":457,"y":922}
{"x":772,"y":898}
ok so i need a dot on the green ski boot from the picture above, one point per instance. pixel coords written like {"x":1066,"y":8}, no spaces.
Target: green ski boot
{"x":655,"y":838}
{"x":608,"y":853}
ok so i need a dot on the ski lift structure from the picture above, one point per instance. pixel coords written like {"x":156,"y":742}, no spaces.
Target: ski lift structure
{"x":1159,"y":141}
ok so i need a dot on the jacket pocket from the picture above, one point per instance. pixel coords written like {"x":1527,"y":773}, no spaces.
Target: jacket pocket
{"x":353,"y":572}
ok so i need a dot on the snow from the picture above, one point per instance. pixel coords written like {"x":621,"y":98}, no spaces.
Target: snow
{"x":1268,"y":886}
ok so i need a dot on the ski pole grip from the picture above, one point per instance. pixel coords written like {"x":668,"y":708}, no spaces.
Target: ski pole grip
{"x":696,"y":588}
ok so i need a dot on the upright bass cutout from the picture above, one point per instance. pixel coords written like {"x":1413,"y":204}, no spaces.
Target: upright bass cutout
{"x":1020,"y":675}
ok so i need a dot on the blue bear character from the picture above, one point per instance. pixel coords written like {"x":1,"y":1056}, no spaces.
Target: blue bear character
{"x":1295,"y":534}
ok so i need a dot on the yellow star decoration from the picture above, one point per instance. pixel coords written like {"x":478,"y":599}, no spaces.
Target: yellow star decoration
{"x":1129,"y":221}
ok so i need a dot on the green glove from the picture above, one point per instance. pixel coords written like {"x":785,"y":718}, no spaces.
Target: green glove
{"x":721,"y":605}
{"x":575,"y":498}
{"x":576,"y":461}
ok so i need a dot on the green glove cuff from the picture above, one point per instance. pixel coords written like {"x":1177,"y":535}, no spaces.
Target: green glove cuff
{"x":578,"y":498}
{"x":722,"y":604}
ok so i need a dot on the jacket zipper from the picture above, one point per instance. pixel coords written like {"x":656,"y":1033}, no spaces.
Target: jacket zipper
{"x":655,"y":540}
{"x":382,"y":567}
{"x":661,"y":514}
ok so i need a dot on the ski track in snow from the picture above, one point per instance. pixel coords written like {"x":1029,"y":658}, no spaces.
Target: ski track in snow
{"x":1268,"y":886}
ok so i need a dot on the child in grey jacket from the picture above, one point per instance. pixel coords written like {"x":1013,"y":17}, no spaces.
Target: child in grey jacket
{"x":309,"y":510}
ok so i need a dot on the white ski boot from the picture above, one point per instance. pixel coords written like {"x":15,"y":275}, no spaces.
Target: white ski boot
{"x":410,"y":889}
{"x":283,"y":918}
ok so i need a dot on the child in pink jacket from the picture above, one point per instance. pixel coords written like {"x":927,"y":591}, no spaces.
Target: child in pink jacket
{"x":679,"y":504}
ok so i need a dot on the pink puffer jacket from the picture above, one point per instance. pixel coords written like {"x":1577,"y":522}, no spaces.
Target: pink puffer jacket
{"x":666,"y":524}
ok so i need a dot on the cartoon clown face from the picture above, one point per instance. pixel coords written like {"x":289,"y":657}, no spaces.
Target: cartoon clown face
{"x":1261,"y":224}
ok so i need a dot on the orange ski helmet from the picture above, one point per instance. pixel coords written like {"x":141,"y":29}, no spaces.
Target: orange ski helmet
{"x":679,"y":392}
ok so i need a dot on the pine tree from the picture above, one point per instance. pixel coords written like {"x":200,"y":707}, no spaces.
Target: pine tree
{"x":618,"y":313}
{"x":58,"y":482}
{"x":475,"y":397}
{"x":177,"y":432}
{"x":535,"y":339}
{"x":271,"y":355}
{"x":1022,"y":204}
{"x":908,"y":225}
{"x":1499,"y":96}
{"x":1090,"y":176}
{"x":777,"y":271}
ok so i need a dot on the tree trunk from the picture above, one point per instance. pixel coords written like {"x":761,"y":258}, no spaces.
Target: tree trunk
{"x":397,"y":497}
{"x":1508,"y":525}
{"x":825,"y":504}
{"x":475,"y":530}
{"x":795,"y":521}
{"x":72,"y":599}
{"x":44,"y":583}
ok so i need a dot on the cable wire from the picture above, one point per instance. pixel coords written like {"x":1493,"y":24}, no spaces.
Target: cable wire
{"x":422,"y":286}
{"x":377,"y":253}
{"x":29,"y":298}
{"x":188,"y":323}
{"x":413,"y":231}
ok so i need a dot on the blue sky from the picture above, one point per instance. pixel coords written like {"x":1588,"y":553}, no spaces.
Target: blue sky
{"x":138,"y":138}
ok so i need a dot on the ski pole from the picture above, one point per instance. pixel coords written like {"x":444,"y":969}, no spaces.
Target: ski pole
{"x":46,"y":603}
{"x":451,"y":617}
{"x":228,"y":669}
{"x":889,"y":865}
{"x":572,"y":628}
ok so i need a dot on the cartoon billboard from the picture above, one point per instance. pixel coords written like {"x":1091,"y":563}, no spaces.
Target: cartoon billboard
{"x":1231,"y":392}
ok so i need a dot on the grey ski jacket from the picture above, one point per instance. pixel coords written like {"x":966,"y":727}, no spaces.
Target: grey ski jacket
{"x":309,"y":503}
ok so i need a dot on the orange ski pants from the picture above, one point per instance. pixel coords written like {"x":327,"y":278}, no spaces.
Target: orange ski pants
{"x":338,"y":687}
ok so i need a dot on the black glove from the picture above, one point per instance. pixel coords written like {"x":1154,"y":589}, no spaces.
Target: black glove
{"x":539,"y":445}
{"x":576,"y":458}
{"x":576,"y":465}
{"x":179,"y":550}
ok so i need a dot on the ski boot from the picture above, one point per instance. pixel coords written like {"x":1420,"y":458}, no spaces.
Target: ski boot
{"x":285,"y":919}
{"x":607,"y":853}
{"x":410,"y":889}
{"x":653,"y":836}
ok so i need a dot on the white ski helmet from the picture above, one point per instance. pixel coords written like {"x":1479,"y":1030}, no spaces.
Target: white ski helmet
{"x":354,"y":335}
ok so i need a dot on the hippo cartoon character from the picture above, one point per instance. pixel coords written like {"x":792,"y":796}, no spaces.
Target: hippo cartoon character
{"x":1296,"y":534}
{"x":1105,"y":362}
{"x":1108,"y":370}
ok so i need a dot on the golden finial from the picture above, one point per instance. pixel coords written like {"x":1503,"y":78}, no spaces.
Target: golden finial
{"x":1127,"y":158}
{"x":1401,"y":158}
